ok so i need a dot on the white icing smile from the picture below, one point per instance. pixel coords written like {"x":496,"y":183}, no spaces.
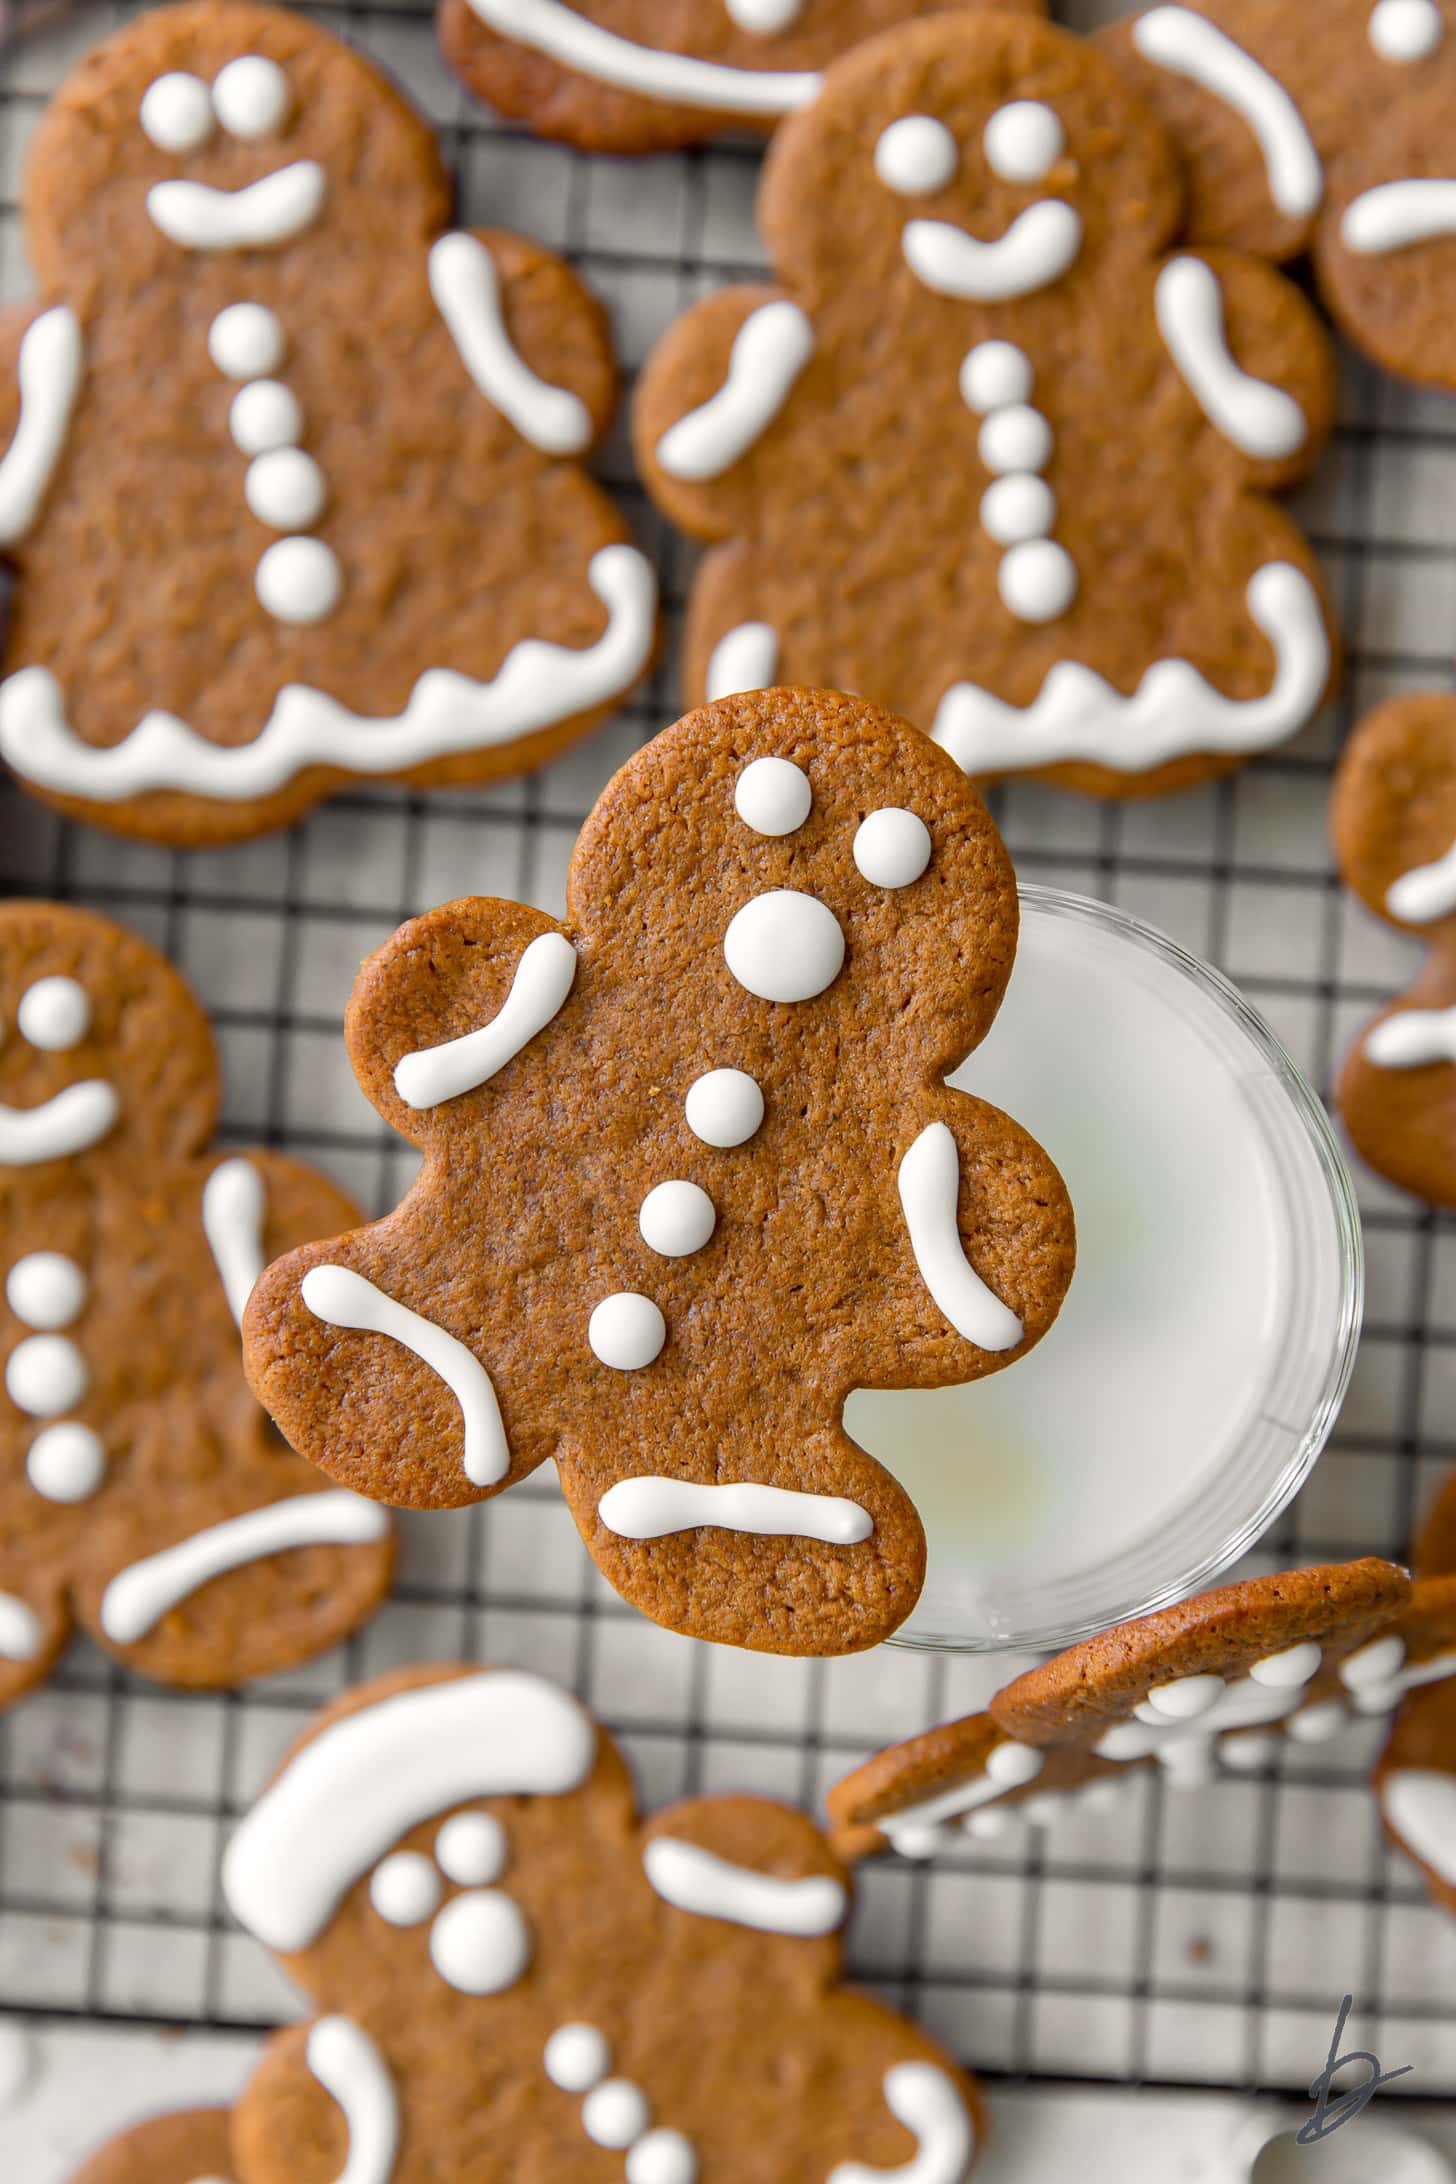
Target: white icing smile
{"x":546,"y":26}
{"x":274,"y":209}
{"x":1041,"y":244}
{"x":54,"y":1015}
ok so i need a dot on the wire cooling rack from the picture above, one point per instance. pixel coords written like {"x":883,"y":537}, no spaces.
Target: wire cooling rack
{"x":1197,"y":1938}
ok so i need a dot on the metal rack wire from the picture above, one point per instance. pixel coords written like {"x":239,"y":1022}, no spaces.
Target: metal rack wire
{"x":1200,"y":1939}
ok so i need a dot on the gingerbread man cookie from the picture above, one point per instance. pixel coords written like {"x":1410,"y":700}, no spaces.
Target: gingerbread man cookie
{"x":650,"y":75}
{"x":292,"y":490}
{"x":1393,"y":820}
{"x":192,"y":2147}
{"x":990,"y":454}
{"x":521,"y":1984}
{"x":1415,"y":1776}
{"x":142,"y":1492}
{"x":691,"y":1176}
{"x":1327,"y":130}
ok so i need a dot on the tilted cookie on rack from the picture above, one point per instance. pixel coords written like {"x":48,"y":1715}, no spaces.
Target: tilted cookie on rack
{"x":994,"y":452}
{"x":191,"y":2147}
{"x":1321,"y":128}
{"x":1415,"y":1775}
{"x":143,"y":1494}
{"x":692,"y":1175}
{"x":518,"y":1979}
{"x":1393,"y":821}
{"x":648,"y":76}
{"x":292,"y":493}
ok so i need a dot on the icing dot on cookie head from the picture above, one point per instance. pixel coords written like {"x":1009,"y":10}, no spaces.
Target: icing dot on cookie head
{"x":46,"y":1374}
{"x":662,"y":2157}
{"x":676,"y":1218}
{"x":577,"y":2058}
{"x":892,"y":847}
{"x":54,"y":1014}
{"x":784,"y":946}
{"x":405,"y":1889}
{"x":245,"y":340}
{"x":1406,"y":30}
{"x":1024,"y":141}
{"x":298,"y":580}
{"x":265,"y":415}
{"x":66,"y":1463}
{"x":724,"y":1107}
{"x":480,"y":1943}
{"x":1018,"y":438}
{"x":916,"y":155}
{"x":615,"y":2112}
{"x":285,"y":489}
{"x":45,"y":1289}
{"x":250,"y":96}
{"x":1038,"y":580}
{"x":626,"y":1331}
{"x":1018,"y":507}
{"x":470,"y":1849}
{"x":995,"y":375}
{"x":176,"y":112}
{"x":773,"y":796}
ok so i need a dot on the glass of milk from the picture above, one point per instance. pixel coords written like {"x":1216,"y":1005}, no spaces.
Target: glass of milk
{"x":1199,"y":1361}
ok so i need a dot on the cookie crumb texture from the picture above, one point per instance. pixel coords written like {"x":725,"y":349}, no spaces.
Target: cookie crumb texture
{"x":193,"y":2147}
{"x":292,"y":496}
{"x":692,"y":1175}
{"x":143,"y":1494}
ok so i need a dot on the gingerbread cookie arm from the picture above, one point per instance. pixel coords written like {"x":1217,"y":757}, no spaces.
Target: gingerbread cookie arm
{"x":1253,"y":357}
{"x":1396,"y":1092}
{"x":1415,"y":1787}
{"x":319,"y":2105}
{"x":41,"y":368}
{"x":192,"y":2147}
{"x":531,"y":336}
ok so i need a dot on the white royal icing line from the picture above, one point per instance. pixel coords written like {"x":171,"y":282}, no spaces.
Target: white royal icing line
{"x":1186,"y":1743}
{"x":176,"y":112}
{"x":466,"y":289}
{"x":626,"y":1331}
{"x":763,"y":17}
{"x":892,"y":847}
{"x":1395,"y":215}
{"x":543,"y":978}
{"x":1402,"y":31}
{"x":480,"y":1943}
{"x":745,"y":658}
{"x":1023,"y":141}
{"x":48,"y":371}
{"x":71,"y":1122}
{"x":1426,"y":892}
{"x":773,"y":796}
{"x":45,"y":1375}
{"x":1078,"y":715}
{"x":354,"y":2074}
{"x":916,"y":155}
{"x":1420,"y":1805}
{"x":576,"y":2057}
{"x":917,"y":1831}
{"x":138,"y":1597}
{"x":769,"y":352}
{"x":250,"y":97}
{"x":650,"y":1508}
{"x":1263,"y":421}
{"x":549,"y":27}
{"x":724,"y":1107}
{"x":927,"y":2102}
{"x":273,"y":209}
{"x":1040,"y":245}
{"x":66,"y":1462}
{"x":46,"y":1290}
{"x":538,"y":682}
{"x":363,"y":1782}
{"x":697,"y":1880}
{"x":20,"y":1630}
{"x":1413,"y":1039}
{"x":929,"y":1182}
{"x":233,"y":1208}
{"x":342,"y":1298}
{"x":784,"y":945}
{"x":1187,"y":45}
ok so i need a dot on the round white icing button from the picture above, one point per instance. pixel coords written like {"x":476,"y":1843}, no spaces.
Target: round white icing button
{"x":46,"y":1374}
{"x":480,"y":1943}
{"x":176,"y":112}
{"x":576,"y":2058}
{"x":724,"y":1107}
{"x":615,"y":2113}
{"x":1018,"y":506}
{"x":1038,"y":581}
{"x":1375,"y":1663}
{"x":471,"y":1849}
{"x":892,"y":847}
{"x":265,"y":415}
{"x":662,"y":2157}
{"x":286,"y":489}
{"x":54,"y":1014}
{"x":245,"y":340}
{"x":763,"y":17}
{"x":45,"y":1289}
{"x":916,"y":155}
{"x":677,"y":1218}
{"x":1317,"y":1724}
{"x":298,"y":580}
{"x":1406,"y":30}
{"x":405,"y":1889}
{"x":1186,"y":1699}
{"x":1013,"y":1764}
{"x":784,"y":946}
{"x":626,"y":1331}
{"x":66,"y":1463}
{"x":1294,"y":1666}
{"x":772,"y":795}
{"x":1016,"y":438}
{"x":994,"y":375}
{"x":1023,"y":141}
{"x":250,"y":96}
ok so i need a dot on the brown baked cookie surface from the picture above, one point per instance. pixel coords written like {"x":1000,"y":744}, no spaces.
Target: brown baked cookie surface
{"x":143,"y":1494}
{"x":1327,"y":131}
{"x":652,"y":75}
{"x":1435,"y":1547}
{"x":192,"y":2147}
{"x":1393,"y":822}
{"x":520,"y":1983}
{"x":993,"y":452}
{"x":292,"y":492}
{"x":1415,"y":1787}
{"x":692,"y":1175}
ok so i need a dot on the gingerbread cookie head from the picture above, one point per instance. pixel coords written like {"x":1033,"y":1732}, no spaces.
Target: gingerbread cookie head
{"x":628,"y":76}
{"x":911,"y":456}
{"x":1337,"y":144}
{"x":514,"y":1970}
{"x":338,"y":431}
{"x":1393,"y":820}
{"x":691,"y":1177}
{"x":192,"y":2147}
{"x":142,"y":1492}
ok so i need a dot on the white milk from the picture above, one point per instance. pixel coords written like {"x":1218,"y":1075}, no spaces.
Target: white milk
{"x":1192,"y":1374}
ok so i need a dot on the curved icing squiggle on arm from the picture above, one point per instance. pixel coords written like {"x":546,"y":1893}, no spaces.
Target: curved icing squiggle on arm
{"x":1413,"y":1039}
{"x":1040,"y":245}
{"x":770,"y":350}
{"x":697,"y":1880}
{"x":650,"y":1508}
{"x":548,"y":27}
{"x":930,"y":1182}
{"x":1426,"y":892}
{"x":1189,"y":45}
{"x":1261,"y":420}
{"x":232,"y":1221}
{"x":466,"y":289}
{"x":72,"y":1122}
{"x":342,"y":1298}
{"x":20,"y":1631}
{"x":1394,"y":215}
{"x":273,"y":209}
{"x":745,"y":658}
{"x":929,"y":2105}
{"x":544,"y":977}
{"x":49,"y":373}
{"x":353,"y":2073}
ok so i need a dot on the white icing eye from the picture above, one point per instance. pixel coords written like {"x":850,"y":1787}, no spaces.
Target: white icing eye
{"x":405,"y":1889}
{"x":1018,"y":506}
{"x":773,"y":796}
{"x":724,"y":1107}
{"x":176,"y":112}
{"x":298,"y":580}
{"x":626,"y":1331}
{"x":66,"y":1463}
{"x":892,"y":847}
{"x":677,"y":1218}
{"x":265,"y":416}
{"x":576,"y":2058}
{"x":45,"y":1289}
{"x":784,"y":946}
{"x":245,"y":340}
{"x":1024,"y":141}
{"x":994,"y":375}
{"x":1017,"y":438}
{"x":480,"y":1943}
{"x":250,"y":97}
{"x":285,"y":489}
{"x":916,"y":156}
{"x":1406,"y":30}
{"x":1038,"y":580}
{"x":54,"y":1014}
{"x":471,"y":1849}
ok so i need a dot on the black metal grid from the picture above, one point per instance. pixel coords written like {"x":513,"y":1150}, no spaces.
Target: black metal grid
{"x":1197,"y":1940}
